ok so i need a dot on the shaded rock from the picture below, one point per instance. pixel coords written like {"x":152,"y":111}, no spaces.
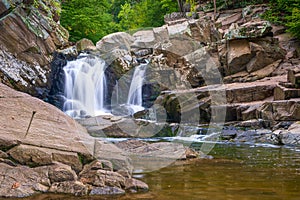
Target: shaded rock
{"x":107,"y":191}
{"x":69,"y":187}
{"x":294,"y":77}
{"x":265,"y":51}
{"x":3,"y":154}
{"x":134,"y":185}
{"x":29,"y":155}
{"x":228,"y":133}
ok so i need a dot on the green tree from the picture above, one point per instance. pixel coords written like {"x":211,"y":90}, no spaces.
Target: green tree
{"x":144,"y":13}
{"x":285,"y":12}
{"x":87,"y":19}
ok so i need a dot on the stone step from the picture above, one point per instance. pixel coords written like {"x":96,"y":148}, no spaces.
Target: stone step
{"x":284,"y":93}
{"x":294,"y":77}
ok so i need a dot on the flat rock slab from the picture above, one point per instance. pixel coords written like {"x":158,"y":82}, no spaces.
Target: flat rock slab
{"x":49,"y":127}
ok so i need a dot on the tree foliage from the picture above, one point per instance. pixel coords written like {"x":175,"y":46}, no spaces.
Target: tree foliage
{"x":285,"y":12}
{"x":94,"y":19}
{"x":87,"y":19}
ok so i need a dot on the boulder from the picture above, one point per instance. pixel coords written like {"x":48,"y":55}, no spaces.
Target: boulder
{"x":144,"y":39}
{"x":119,"y":40}
{"x":252,"y":54}
{"x":85,"y":44}
{"x":239,"y":54}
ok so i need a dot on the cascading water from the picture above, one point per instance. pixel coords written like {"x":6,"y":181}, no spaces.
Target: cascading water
{"x":135,"y":95}
{"x":85,"y":87}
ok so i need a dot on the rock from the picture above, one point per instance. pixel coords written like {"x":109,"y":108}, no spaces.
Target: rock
{"x":283,"y":110}
{"x":239,"y":54}
{"x":106,"y":191}
{"x":85,"y":44}
{"x":226,"y":20}
{"x":289,"y":136}
{"x":118,"y":158}
{"x":282,"y":93}
{"x":134,"y":185}
{"x":28,"y":40}
{"x":144,"y":39}
{"x":252,"y":55}
{"x":294,"y":77}
{"x":60,"y":173}
{"x":254,"y":136}
{"x":190,"y":153}
{"x":101,"y":178}
{"x":98,"y":164}
{"x":31,"y":155}
{"x":265,"y":51}
{"x":119,"y":40}
{"x":252,"y":29}
{"x":69,"y":187}
{"x":20,"y":181}
{"x":228,"y":133}
{"x":3,"y":154}
{"x":48,"y":124}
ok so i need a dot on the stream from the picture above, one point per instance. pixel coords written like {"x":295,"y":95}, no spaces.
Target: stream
{"x":237,"y":172}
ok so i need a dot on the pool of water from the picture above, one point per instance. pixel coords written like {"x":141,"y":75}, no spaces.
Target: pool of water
{"x":241,"y":172}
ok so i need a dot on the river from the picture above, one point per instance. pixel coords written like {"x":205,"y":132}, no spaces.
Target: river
{"x":237,"y":172}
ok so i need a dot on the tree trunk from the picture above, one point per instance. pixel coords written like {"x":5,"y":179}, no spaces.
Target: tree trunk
{"x":180,"y":5}
{"x":215,"y":10}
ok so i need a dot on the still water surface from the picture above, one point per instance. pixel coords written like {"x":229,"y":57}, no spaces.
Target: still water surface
{"x":236,"y":173}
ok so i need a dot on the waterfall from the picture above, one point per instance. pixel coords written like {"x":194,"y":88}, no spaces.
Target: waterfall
{"x":135,"y":95}
{"x":85,"y":87}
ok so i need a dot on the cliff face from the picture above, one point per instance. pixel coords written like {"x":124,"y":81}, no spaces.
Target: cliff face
{"x":30,"y":33}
